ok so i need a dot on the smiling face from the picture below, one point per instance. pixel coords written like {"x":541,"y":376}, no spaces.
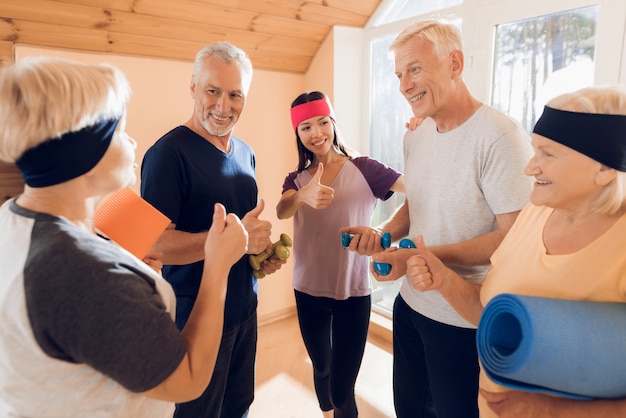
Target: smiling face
{"x":317,"y":134}
{"x":219,"y":92}
{"x":564,"y":178}
{"x":425,"y":79}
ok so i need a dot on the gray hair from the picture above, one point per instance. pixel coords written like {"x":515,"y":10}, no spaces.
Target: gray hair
{"x":228,"y":53}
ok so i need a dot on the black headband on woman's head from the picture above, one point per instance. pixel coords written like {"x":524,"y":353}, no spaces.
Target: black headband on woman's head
{"x":68,"y":156}
{"x":599,"y":136}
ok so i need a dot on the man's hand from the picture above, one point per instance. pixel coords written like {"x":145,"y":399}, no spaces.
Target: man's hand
{"x":259,"y":231}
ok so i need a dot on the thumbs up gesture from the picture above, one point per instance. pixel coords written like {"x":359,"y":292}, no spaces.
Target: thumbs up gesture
{"x":424,"y":270}
{"x":315,"y":194}
{"x":259,"y":231}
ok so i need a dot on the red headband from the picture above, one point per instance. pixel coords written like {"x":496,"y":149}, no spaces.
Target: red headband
{"x":304,"y":111}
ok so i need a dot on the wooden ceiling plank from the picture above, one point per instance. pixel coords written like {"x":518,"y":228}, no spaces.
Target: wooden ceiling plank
{"x":272,"y":43}
{"x":123,"y":5}
{"x":287,"y":9}
{"x":278,"y":62}
{"x":99,"y":4}
{"x":8,"y":30}
{"x":320,"y":14}
{"x":7,"y":55}
{"x":60,"y":36}
{"x":297,"y":9}
{"x":280,"y":35}
{"x":137,"y":24}
{"x":222,"y":3}
{"x":187,"y":10}
{"x":149,"y":46}
{"x":290,"y":28}
{"x":361,"y":7}
{"x":158,"y":47}
{"x":53,"y":12}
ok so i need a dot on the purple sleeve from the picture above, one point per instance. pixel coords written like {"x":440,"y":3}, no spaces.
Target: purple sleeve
{"x":379,"y":176}
{"x":290,"y":182}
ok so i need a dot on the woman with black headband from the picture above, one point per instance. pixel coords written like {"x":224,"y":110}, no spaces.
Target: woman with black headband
{"x":331,"y":189}
{"x":87,"y":328}
{"x":568,"y":243}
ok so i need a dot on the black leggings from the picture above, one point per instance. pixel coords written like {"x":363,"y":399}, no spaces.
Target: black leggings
{"x":334,"y":333}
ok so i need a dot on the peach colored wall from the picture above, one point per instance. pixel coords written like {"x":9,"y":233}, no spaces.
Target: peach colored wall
{"x":161,"y":101}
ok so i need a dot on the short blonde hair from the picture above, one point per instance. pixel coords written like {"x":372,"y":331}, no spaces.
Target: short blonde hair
{"x":42,"y":98}
{"x":609,"y":100}
{"x":444,"y":36}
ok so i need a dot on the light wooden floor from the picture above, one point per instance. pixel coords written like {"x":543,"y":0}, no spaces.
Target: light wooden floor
{"x":284,"y":380}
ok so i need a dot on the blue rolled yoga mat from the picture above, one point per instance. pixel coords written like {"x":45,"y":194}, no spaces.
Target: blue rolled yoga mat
{"x":575,"y":349}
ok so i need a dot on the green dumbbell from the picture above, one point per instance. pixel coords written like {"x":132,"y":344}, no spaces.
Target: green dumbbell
{"x":280,"y":250}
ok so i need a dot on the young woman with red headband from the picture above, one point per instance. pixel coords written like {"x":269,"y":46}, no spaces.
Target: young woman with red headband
{"x":330,"y":189}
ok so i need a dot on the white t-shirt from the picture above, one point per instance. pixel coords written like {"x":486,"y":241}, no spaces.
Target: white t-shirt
{"x":456,"y":183}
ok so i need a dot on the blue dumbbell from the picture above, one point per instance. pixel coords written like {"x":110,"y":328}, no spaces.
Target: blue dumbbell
{"x":385,"y":240}
{"x":385,"y":268}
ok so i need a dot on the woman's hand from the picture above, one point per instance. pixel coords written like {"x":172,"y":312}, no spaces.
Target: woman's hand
{"x":227,"y":240}
{"x":315,"y":194}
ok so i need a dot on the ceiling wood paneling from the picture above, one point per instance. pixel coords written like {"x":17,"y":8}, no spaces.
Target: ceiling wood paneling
{"x":280,"y":35}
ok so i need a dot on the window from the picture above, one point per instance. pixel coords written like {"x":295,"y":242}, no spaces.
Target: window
{"x":539,"y":58}
{"x":402,"y":9}
{"x":389,"y":114}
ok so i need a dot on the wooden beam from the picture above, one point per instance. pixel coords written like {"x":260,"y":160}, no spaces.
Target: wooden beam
{"x":11,"y":181}
{"x":271,"y":43}
{"x":54,"y":12}
{"x":278,"y":62}
{"x":362,"y":7}
{"x":138,"y":24}
{"x":124,"y":5}
{"x":287,"y":9}
{"x":8,"y":30}
{"x":311,"y":11}
{"x":290,"y":28}
{"x":159,"y":47}
{"x":57,"y":36}
{"x":278,"y":34}
{"x":7,"y":53}
{"x":124,"y":43}
{"x":188,"y":10}
{"x":322,"y":14}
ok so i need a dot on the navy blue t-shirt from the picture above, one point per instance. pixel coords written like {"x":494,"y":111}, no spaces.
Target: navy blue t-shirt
{"x":183,"y":175}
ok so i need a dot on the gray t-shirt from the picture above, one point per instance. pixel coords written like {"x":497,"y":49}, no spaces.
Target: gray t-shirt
{"x":85,"y":324}
{"x":456,"y":182}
